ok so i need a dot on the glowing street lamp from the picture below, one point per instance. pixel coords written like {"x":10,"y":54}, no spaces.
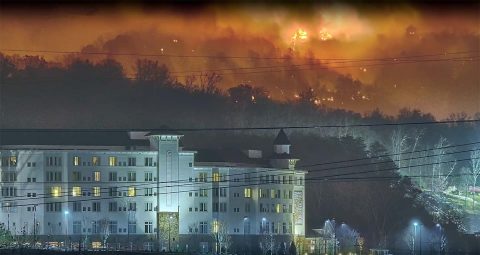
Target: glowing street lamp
{"x":415,"y":224}
{"x":66,"y":227}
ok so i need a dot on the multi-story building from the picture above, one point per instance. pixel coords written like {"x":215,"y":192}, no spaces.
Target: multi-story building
{"x":119,"y":193}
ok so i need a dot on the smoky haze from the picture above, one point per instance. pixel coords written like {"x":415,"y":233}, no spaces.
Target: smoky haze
{"x":275,"y":36}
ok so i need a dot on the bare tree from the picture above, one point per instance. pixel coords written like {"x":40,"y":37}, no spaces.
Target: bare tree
{"x":221,"y":236}
{"x":267,"y":243}
{"x":399,"y":143}
{"x":474,"y":171}
{"x":416,"y":140}
{"x":104,"y":231}
{"x":209,"y":81}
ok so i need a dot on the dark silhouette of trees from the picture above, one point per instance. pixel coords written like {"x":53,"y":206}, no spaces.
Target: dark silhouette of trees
{"x":151,"y":71}
{"x":245,"y":94}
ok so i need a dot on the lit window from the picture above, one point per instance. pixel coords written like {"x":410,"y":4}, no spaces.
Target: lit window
{"x":56,"y":191}
{"x":215,"y":226}
{"x":248,"y":192}
{"x":13,"y":161}
{"x":96,"y":176}
{"x":112,"y":161}
{"x":76,"y":191}
{"x":131,"y":191}
{"x":96,"y":191}
{"x":95,"y":161}
{"x":216,"y":177}
{"x":76,"y":161}
{"x":277,"y":208}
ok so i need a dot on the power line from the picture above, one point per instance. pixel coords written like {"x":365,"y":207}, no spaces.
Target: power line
{"x":309,"y":180}
{"x":187,"y":181}
{"x":200,"y":73}
{"x":388,"y":155}
{"x":223,"y":56}
{"x":324,"y":178}
{"x":9,"y":130}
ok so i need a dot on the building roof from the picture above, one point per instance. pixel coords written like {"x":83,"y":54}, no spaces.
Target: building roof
{"x":164,"y":130}
{"x":281,"y":139}
{"x":72,"y":137}
{"x":229,"y":155}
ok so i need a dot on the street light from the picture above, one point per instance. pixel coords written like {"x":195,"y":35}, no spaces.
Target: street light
{"x":415,"y":224}
{"x":66,"y":227}
{"x":439,"y":227}
{"x":244,"y":232}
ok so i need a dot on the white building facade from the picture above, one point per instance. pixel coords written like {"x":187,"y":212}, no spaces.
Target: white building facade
{"x":153,"y":196}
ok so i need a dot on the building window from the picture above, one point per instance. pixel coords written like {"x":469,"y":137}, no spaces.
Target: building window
{"x":132,"y":206}
{"x":148,"y":207}
{"x":203,"y":192}
{"x":148,"y":192}
{"x":277,"y":208}
{"x":131,"y":192}
{"x":148,"y":227}
{"x":148,"y":161}
{"x":96,"y":228}
{"x":204,"y":227}
{"x":202,"y":177}
{"x":132,"y":176}
{"x":112,"y":207}
{"x":76,"y":191}
{"x":223,"y":207}
{"x":132,"y":227}
{"x":95,"y":161}
{"x":247,"y":192}
{"x":112,"y":161}
{"x":148,"y":176}
{"x":76,"y":160}
{"x":223,"y":192}
{"x":76,"y":176}
{"x":54,"y":207}
{"x":247,"y":207}
{"x":112,"y":176}
{"x":96,"y":191}
{"x":216,"y":177}
{"x":132,"y":161}
{"x":113,"y":191}
{"x":56,"y":191}
{"x":96,"y":207}
{"x":203,"y":207}
{"x":97,"y":176}
{"x":54,"y":176}
{"x":77,"y":227}
{"x":113,"y":226}
{"x":77,"y":206}
{"x":9,"y":177}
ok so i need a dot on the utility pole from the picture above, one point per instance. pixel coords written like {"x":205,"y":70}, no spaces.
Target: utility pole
{"x":158,"y":196}
{"x":34,"y":226}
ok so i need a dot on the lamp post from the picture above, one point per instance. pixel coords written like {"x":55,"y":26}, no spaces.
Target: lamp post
{"x":66,"y":227}
{"x":244,"y":232}
{"x":34,"y":226}
{"x":415,"y":224}
{"x":439,"y":227}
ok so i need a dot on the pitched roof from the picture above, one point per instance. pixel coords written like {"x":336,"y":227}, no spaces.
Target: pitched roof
{"x":164,"y":130}
{"x":281,"y":138}
{"x":230,"y":155}
{"x":87,"y":138}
